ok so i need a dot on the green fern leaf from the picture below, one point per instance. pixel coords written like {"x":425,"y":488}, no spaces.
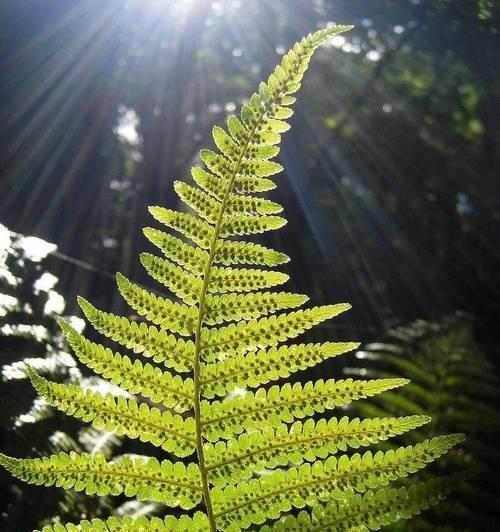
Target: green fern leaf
{"x":229,"y":147}
{"x":237,"y":204}
{"x":236,"y":307}
{"x":189,"y":257}
{"x":257,"y":500}
{"x":259,"y":368}
{"x":244,"y":279}
{"x":183,"y":284}
{"x":454,"y":379}
{"x":207,"y":207}
{"x":232,"y":252}
{"x":249,"y":225}
{"x":197,"y":523}
{"x":237,"y":459}
{"x":228,"y":311}
{"x":202,"y":203}
{"x":242,"y":185}
{"x":121,"y":415}
{"x":360,"y":513}
{"x":141,"y":338}
{"x":169,"y":315}
{"x":159,"y":386}
{"x":242,"y":337}
{"x":197,"y":230}
{"x":253,"y":411}
{"x":184,"y":523}
{"x":251,"y":167}
{"x":147,"y":479}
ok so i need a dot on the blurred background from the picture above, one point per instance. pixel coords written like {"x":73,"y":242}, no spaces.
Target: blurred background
{"x":391,"y":190}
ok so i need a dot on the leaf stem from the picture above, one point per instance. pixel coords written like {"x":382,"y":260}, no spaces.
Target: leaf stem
{"x":202,"y":306}
{"x":199,"y":326}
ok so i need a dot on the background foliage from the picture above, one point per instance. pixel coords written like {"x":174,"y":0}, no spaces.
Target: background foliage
{"x":452,"y":381}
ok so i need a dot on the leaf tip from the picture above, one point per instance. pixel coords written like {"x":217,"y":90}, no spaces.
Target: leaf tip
{"x":65,"y":326}
{"x":85,"y":305}
{"x":38,"y":382}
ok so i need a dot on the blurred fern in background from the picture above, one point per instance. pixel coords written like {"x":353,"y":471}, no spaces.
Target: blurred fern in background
{"x":454,"y":382}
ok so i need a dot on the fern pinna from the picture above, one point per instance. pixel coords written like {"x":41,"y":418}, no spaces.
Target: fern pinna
{"x":260,"y":454}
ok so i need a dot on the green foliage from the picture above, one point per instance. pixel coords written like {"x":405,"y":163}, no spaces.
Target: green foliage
{"x":197,"y":523}
{"x":242,"y":435}
{"x":160,"y":386}
{"x":356,"y":513}
{"x":121,"y":415}
{"x":256,"y":501}
{"x":452,"y":381}
{"x":147,"y":479}
{"x":237,"y":459}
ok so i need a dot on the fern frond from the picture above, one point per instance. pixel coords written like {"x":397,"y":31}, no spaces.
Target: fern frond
{"x":238,"y":459}
{"x":256,"y":501}
{"x":238,"y":204}
{"x":236,"y":307}
{"x":244,"y":279}
{"x":214,"y":185}
{"x":161,"y":311}
{"x":251,"y":167}
{"x":189,"y":257}
{"x":200,"y":201}
{"x":172,"y":316}
{"x":141,"y":338}
{"x":241,"y":337}
{"x":206,"y":206}
{"x":250,"y":225}
{"x":453,"y":379}
{"x":371,"y":511}
{"x":182,"y":283}
{"x":121,"y":415}
{"x":197,"y":230}
{"x":254,"y":369}
{"x":234,"y":252}
{"x":253,"y":411}
{"x":171,"y":483}
{"x":186,"y":286}
{"x":229,"y":147}
{"x":226,"y":360}
{"x":197,"y":523}
{"x":149,"y":381}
